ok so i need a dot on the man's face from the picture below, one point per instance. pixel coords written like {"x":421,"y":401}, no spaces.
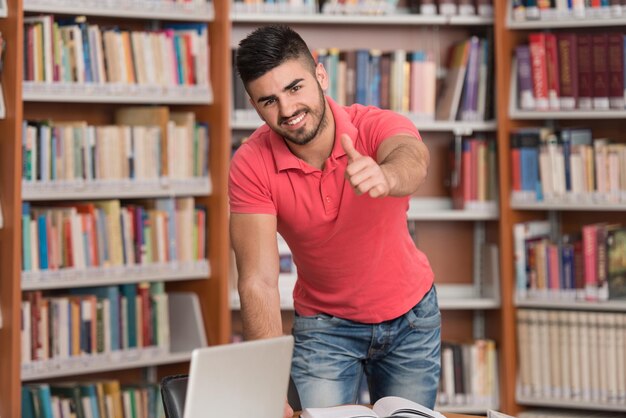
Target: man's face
{"x":291,"y":100}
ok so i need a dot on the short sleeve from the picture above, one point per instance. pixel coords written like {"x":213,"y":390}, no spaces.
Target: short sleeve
{"x":379,"y":124}
{"x":249,"y":188}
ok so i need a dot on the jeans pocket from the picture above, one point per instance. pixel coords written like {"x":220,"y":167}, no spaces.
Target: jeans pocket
{"x":425,"y":315}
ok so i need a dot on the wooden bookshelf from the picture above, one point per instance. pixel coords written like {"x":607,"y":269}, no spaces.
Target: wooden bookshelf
{"x":566,"y":214}
{"x":10,"y":194}
{"x":208,"y":280}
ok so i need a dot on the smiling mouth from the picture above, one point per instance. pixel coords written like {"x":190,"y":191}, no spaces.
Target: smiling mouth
{"x":296,"y":120}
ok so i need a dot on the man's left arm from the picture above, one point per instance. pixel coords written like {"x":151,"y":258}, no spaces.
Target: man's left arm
{"x":400,"y":167}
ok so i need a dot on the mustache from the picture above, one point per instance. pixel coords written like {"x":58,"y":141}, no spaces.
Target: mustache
{"x":294,"y":114}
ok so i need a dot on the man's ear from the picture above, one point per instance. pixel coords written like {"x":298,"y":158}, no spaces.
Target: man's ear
{"x":322,"y":76}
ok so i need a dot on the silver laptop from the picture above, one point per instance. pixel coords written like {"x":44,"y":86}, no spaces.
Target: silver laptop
{"x":241,"y":380}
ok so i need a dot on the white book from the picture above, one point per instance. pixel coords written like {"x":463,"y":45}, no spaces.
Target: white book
{"x":612,"y":371}
{"x":620,"y":348}
{"x":523,"y":348}
{"x":602,"y":356}
{"x":388,"y":406}
{"x":534,"y":339}
{"x":585,"y":364}
{"x":574,"y":358}
{"x":544,"y":354}
{"x":594,"y":353}
{"x":563,"y":354}
{"x":26,"y":335}
{"x":521,"y":232}
{"x":555,"y":354}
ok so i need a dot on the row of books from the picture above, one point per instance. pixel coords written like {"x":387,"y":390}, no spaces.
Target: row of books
{"x":568,"y":70}
{"x":452,"y":7}
{"x":91,"y":399}
{"x":366,"y":7}
{"x":523,"y":10}
{"x":587,"y":265}
{"x":405,"y":81}
{"x":468,"y":374}
{"x":275,"y":6}
{"x":137,"y":147}
{"x":108,"y":233}
{"x":549,"y":164}
{"x":75,"y":51}
{"x":572,"y":356}
{"x":473,"y":171}
{"x":89,"y":321}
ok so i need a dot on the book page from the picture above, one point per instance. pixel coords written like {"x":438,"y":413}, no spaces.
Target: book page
{"x":393,"y":405}
{"x":342,"y":411}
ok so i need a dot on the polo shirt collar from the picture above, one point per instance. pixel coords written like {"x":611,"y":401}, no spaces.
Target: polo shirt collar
{"x":285,"y":159}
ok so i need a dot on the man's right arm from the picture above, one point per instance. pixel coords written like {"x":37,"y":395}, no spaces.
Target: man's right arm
{"x":253,"y":238}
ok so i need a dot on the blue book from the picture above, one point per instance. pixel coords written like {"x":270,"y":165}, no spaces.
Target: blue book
{"x":88,"y":390}
{"x":129,"y":292}
{"x":374,"y":79}
{"x":28,"y":407}
{"x":27,"y":263}
{"x":43,"y":242}
{"x":45,"y":401}
{"x":112,"y":294}
{"x":362,"y":76}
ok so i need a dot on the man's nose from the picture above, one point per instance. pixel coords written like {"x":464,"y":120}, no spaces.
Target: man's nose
{"x":287,"y":107}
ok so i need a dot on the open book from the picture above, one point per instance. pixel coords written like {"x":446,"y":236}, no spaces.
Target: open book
{"x":389,"y":406}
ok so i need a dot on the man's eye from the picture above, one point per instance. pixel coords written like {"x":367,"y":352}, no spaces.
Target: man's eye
{"x":296,"y":88}
{"x":269,"y":102}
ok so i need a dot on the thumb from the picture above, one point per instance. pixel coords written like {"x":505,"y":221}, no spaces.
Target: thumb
{"x":348,"y":147}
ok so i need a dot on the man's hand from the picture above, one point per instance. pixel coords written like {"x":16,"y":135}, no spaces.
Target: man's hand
{"x":288,"y":413}
{"x":363,"y":172}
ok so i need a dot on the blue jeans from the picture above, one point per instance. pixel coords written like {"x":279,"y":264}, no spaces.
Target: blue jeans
{"x":399,"y":357}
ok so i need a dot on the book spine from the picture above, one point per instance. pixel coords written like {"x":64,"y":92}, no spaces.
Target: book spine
{"x":585,"y":72}
{"x":600,"y":71}
{"x":616,"y":70}
{"x":537,"y":44}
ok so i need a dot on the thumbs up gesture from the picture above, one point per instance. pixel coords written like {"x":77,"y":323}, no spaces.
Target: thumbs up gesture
{"x":363,"y":172}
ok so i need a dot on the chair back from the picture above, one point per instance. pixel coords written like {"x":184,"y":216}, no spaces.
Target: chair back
{"x":173,"y":392}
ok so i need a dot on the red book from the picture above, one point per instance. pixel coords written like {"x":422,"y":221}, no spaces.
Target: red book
{"x":552,"y":63}
{"x":537,"y":44}
{"x":585,"y":72}
{"x":600,"y":44}
{"x":568,"y":70}
{"x":143,"y":293}
{"x":516,"y":178}
{"x":88,"y":210}
{"x":616,"y":70}
{"x":590,"y":256}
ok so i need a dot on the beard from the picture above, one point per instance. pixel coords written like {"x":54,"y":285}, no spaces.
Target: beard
{"x":303,"y":136}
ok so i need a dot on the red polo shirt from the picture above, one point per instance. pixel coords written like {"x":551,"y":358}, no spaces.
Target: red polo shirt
{"x":354,"y":255}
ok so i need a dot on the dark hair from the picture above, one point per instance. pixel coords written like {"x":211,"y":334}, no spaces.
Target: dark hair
{"x":268,"y":47}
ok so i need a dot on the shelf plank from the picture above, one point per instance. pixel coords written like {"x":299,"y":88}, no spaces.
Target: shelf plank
{"x":569,"y":114}
{"x":252,"y":122}
{"x":399,"y":18}
{"x":107,"y":93}
{"x":579,"y":305}
{"x":119,"y":189}
{"x":58,"y":279}
{"x":440,"y":209}
{"x":570,"y":404}
{"x":466,"y":409}
{"x":473,"y":303}
{"x":162,"y":10}
{"x":519,"y":204}
{"x":117,"y":360}
{"x":567,"y":22}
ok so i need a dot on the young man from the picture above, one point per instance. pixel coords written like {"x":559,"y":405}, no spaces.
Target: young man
{"x":334,"y":182}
